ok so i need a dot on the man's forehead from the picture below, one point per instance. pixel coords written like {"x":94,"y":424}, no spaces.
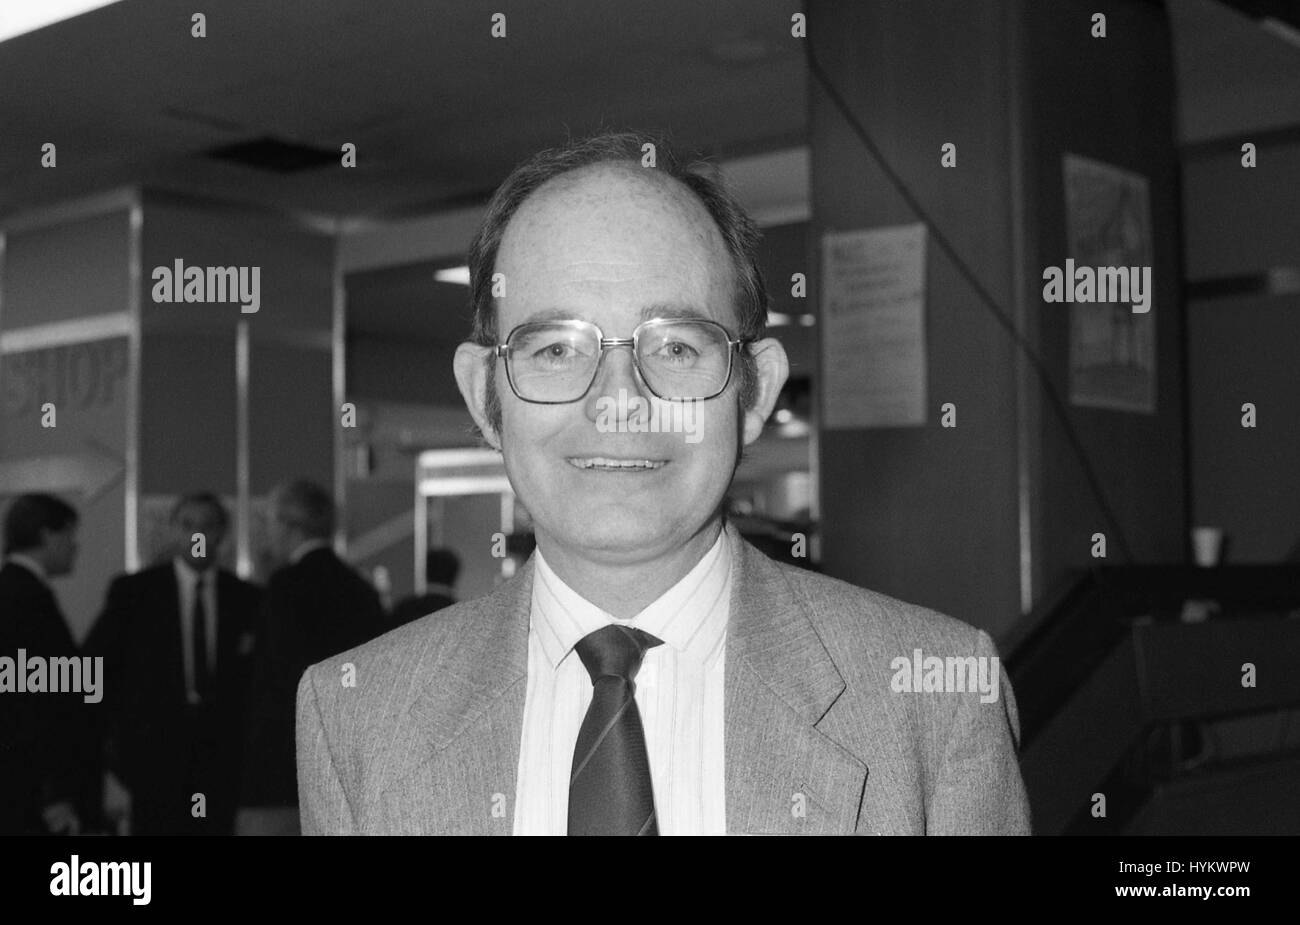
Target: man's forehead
{"x":611,"y":190}
{"x":615,"y":235}
{"x":198,"y":510}
{"x":672,"y":310}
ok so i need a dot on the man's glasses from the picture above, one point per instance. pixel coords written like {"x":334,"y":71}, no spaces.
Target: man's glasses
{"x":555,"y":362}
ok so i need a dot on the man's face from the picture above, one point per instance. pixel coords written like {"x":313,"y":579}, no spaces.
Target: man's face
{"x":614,"y":248}
{"x":60,"y":550}
{"x":279,"y":542}
{"x":204,"y":519}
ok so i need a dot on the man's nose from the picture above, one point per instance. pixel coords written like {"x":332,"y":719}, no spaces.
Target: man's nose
{"x":617,"y":371}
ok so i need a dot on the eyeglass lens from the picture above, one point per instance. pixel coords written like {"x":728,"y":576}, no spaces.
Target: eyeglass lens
{"x":556,"y":362}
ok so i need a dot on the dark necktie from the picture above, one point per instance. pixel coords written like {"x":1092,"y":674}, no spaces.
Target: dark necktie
{"x":202,"y":677}
{"x":609,"y":790}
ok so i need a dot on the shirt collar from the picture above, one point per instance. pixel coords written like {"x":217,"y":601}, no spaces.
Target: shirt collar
{"x":186,"y":573}
{"x":690,"y":617}
{"x":30,"y":564}
{"x":305,"y":547}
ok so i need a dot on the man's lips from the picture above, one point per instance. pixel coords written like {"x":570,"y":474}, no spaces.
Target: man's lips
{"x":616,"y":464}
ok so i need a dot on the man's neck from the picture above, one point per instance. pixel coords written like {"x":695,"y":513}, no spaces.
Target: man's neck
{"x":625,"y":589}
{"x":208,"y":565}
{"x":193,"y":567}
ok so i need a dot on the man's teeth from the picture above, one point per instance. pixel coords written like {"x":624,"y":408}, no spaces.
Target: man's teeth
{"x":600,"y":462}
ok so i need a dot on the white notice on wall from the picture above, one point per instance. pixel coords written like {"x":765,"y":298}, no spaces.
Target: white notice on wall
{"x":873,"y":327}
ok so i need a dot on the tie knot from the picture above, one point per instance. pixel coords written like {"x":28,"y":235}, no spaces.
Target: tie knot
{"x":614,"y":651}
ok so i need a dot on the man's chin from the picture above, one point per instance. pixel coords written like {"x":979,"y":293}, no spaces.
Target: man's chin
{"x":603,"y":538}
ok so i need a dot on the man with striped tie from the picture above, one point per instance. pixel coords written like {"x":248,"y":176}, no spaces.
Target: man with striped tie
{"x":647,"y":671}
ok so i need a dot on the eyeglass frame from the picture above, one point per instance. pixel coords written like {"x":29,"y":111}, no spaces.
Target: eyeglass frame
{"x":502,"y":350}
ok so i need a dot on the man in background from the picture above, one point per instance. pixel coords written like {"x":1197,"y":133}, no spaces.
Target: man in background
{"x":316,"y":606}
{"x":48,"y":779}
{"x":441,"y":566}
{"x":177,"y":641}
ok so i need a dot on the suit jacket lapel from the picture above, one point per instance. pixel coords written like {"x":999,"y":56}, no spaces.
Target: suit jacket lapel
{"x":466,"y":724}
{"x":783,"y":775}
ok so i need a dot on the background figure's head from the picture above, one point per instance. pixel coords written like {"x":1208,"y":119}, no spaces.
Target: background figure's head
{"x":300,"y":511}
{"x":441,"y":567}
{"x":199,"y":512}
{"x":43,"y":528}
{"x":588,"y":233}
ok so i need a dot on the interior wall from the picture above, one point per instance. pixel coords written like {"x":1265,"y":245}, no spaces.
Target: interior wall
{"x":932,"y":515}
{"x":39,"y":289}
{"x":384,"y":506}
{"x":187,"y":400}
{"x":389,"y":369}
{"x":1109,"y":100}
{"x":1240,"y":223}
{"x":69,"y":271}
{"x":784,"y":251}
{"x":191,"y":396}
{"x":927,"y":514}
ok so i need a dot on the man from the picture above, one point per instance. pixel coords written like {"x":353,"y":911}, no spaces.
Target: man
{"x":316,"y":606}
{"x":47,"y":746}
{"x":177,"y":641}
{"x":647,"y":671}
{"x":441,"y":566}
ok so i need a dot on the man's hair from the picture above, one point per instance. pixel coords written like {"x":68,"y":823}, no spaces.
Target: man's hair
{"x":305,"y":505}
{"x":208,"y":498}
{"x":29,"y":515}
{"x":441,"y":566}
{"x":739,"y":233}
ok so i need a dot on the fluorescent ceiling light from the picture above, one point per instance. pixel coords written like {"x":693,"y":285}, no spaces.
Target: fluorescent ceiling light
{"x":19,"y":16}
{"x":1283,"y":30}
{"x":457,"y":275}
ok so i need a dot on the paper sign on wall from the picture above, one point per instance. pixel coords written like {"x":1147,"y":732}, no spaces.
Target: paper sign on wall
{"x":873,"y":327}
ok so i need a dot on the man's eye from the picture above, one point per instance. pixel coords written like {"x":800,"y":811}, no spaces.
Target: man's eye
{"x":555,"y":351}
{"x":676,"y":350}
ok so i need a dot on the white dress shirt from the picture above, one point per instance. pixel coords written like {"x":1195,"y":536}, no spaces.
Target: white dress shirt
{"x":187,"y":579}
{"x":308,"y":546}
{"x":27,"y":562}
{"x":679,"y":693}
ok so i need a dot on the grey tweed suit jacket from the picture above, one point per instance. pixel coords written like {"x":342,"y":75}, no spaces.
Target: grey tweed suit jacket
{"x":418,"y":731}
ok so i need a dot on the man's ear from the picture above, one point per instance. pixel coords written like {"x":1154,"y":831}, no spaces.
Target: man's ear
{"x":773,"y":368}
{"x":471,"y":367}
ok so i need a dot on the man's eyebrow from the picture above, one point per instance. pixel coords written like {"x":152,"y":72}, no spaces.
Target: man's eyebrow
{"x":552,"y":314}
{"x":674,"y":310}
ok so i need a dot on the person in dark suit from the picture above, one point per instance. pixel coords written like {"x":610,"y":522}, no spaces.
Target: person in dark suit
{"x":48,"y":781}
{"x":316,"y":606}
{"x":177,"y":642}
{"x":441,"y":566}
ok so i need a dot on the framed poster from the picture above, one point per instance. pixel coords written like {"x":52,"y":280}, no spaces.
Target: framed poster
{"x":1112,"y":343}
